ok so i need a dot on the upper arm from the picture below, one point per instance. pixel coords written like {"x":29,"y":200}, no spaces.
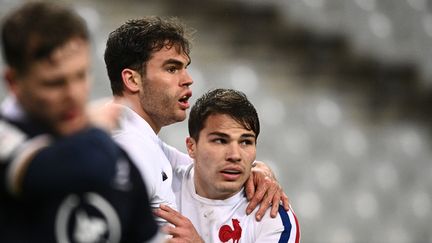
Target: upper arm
{"x":283,"y":228}
{"x":176,"y":157}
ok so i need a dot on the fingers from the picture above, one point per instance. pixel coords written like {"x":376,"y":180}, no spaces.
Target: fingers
{"x":172,"y":216}
{"x":169,"y":214}
{"x":250,"y":188}
{"x":169,"y":230}
{"x":275,"y":204}
{"x":181,"y":229}
{"x":285,"y":201}
{"x":261,"y":211}
{"x":175,"y":232}
{"x":167,"y":208}
{"x":271,"y":196}
{"x":261,"y":190}
{"x":173,"y":240}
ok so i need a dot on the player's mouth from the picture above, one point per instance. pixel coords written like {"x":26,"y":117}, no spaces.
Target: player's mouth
{"x":231,"y":174}
{"x":184,"y":100}
{"x":70,"y":114}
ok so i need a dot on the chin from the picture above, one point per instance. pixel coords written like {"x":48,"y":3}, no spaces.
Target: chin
{"x":179,"y":119}
{"x":231,"y":189}
{"x":71,"y":127}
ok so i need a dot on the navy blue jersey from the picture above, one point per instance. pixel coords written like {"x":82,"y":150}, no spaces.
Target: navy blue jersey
{"x":79,"y":188}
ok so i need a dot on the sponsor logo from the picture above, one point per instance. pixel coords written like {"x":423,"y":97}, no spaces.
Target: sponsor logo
{"x":87,"y":219}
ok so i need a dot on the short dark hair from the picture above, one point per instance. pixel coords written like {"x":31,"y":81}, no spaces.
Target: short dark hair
{"x":132,"y":44}
{"x":34,"y":30}
{"x":223,"y":101}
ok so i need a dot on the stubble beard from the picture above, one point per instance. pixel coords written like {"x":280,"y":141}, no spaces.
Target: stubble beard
{"x":159,"y":108}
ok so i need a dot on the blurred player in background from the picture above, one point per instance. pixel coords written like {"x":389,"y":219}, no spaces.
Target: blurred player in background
{"x":61,"y":179}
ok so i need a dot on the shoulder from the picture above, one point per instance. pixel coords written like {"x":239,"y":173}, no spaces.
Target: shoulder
{"x":136,"y":143}
{"x":284,"y":226}
{"x":183,"y":171}
{"x":290,"y":223}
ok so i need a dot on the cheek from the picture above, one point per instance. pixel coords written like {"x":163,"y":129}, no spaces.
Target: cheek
{"x":49,"y":98}
{"x":52,"y":101}
{"x":151,"y":94}
{"x":83,"y":92}
{"x":208,"y":159}
{"x":250,"y":157}
{"x":36,"y":97}
{"x":204,"y":159}
{"x":249,"y":154}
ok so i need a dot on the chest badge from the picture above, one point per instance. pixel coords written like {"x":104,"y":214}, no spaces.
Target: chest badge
{"x":227,"y":233}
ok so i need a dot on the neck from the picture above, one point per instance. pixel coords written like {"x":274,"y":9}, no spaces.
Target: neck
{"x":133,"y":103}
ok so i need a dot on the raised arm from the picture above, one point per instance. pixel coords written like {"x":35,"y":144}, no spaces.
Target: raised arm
{"x":263,"y":188}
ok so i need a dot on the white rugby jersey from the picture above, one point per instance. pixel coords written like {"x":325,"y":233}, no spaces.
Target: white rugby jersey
{"x":226,"y":220}
{"x":149,"y":153}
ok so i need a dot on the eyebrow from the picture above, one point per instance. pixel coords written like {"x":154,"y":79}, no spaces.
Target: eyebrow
{"x":176,"y":62}
{"x":221,"y":134}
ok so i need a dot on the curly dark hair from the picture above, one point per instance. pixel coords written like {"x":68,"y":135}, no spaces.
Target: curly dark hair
{"x":133,"y":43}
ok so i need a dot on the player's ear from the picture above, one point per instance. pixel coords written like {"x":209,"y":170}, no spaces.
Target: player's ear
{"x":11,"y":76}
{"x":191,"y":147}
{"x":131,"y":80}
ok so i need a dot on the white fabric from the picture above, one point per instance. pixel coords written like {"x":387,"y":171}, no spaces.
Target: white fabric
{"x":208,"y":216}
{"x":10,"y":139}
{"x":11,"y":109}
{"x":151,"y":155}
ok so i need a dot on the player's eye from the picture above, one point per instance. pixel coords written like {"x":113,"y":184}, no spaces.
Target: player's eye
{"x":219,"y":140}
{"x":172,"y":69}
{"x":247,"y":142}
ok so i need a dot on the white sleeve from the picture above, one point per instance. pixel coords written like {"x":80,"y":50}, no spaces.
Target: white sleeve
{"x":11,"y":139}
{"x":176,"y":157}
{"x":283,"y":228}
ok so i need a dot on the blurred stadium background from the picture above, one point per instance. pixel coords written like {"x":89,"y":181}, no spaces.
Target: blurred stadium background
{"x":343,"y":89}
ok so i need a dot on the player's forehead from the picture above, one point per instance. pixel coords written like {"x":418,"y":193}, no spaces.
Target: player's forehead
{"x":225,"y":125}
{"x":170,"y":53}
{"x":67,"y":61}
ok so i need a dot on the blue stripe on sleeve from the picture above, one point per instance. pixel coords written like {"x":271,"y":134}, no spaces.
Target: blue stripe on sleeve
{"x":286,"y":223}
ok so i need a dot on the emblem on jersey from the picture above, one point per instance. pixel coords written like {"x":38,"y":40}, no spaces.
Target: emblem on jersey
{"x":227,"y":233}
{"x":87,"y":219}
{"x":122,"y":177}
{"x":164,"y":176}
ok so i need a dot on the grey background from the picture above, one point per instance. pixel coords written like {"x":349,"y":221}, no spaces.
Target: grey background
{"x":342,"y":88}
